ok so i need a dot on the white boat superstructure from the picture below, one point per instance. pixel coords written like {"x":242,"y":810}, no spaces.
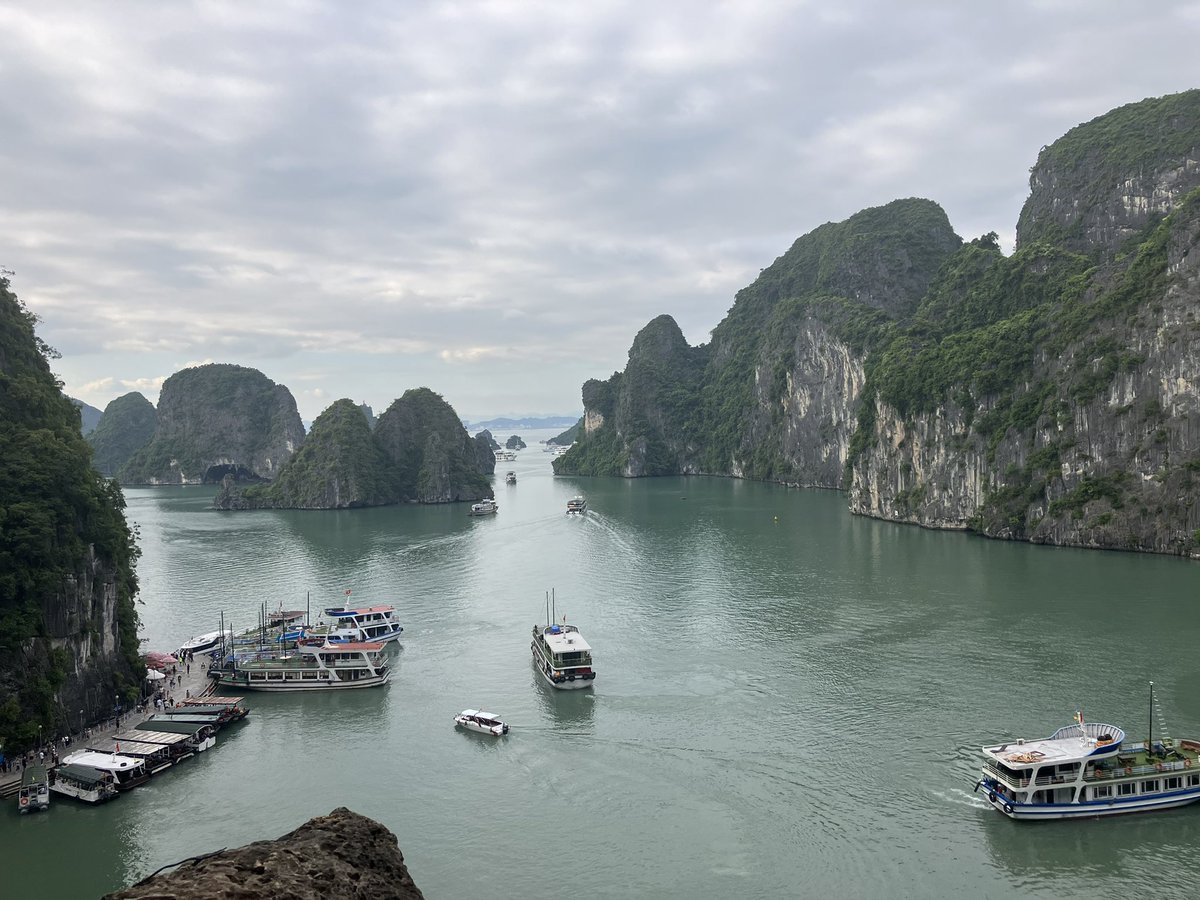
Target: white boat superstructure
{"x":482,"y":722}
{"x":1087,"y":770}
{"x":311,"y":667}
{"x":484,"y":507}
{"x":358,"y":624}
{"x":127,"y":771}
{"x":83,"y":783}
{"x":202,"y":643}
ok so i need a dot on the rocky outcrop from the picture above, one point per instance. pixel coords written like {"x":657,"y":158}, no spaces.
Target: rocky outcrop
{"x":343,"y":855}
{"x":514,"y":442}
{"x":89,"y":416}
{"x":126,"y":426}
{"x":69,"y":646}
{"x":218,"y":420}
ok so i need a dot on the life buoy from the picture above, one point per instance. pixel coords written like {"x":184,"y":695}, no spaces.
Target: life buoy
{"x":1158,"y":766}
{"x":1129,"y":770}
{"x":24,"y":801}
{"x":1008,"y":809}
{"x":992,"y":796}
{"x":1187,"y":763}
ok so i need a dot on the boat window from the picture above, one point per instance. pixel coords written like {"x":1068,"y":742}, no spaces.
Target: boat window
{"x":1104,"y":790}
{"x":1126,"y":789}
{"x":1150,"y":787}
{"x":1172,"y":784}
{"x":1193,"y":780}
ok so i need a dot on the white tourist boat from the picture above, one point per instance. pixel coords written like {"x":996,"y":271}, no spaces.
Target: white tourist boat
{"x":35,"y":790}
{"x":506,"y":455}
{"x":157,"y":757}
{"x":576,"y":506}
{"x":310,"y":667}
{"x":483,"y":722}
{"x":127,"y":771}
{"x":83,"y":783}
{"x":1087,"y":770}
{"x":561,"y":654}
{"x":356,"y":625}
{"x":202,"y":643}
{"x":510,"y":478}
{"x":484,"y":507}
{"x":200,"y":736}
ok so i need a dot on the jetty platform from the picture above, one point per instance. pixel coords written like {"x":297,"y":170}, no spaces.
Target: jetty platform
{"x":195,"y":683}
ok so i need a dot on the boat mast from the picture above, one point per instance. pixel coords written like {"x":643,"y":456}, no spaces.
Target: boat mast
{"x":1150,"y":720}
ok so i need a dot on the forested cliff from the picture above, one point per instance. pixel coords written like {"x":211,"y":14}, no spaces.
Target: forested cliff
{"x":1052,"y":395}
{"x":68,"y":627}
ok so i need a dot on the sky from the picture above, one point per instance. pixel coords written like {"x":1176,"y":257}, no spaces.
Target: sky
{"x":491,"y":199}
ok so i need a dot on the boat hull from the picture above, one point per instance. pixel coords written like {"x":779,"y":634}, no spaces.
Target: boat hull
{"x":85,"y":796}
{"x":1091,"y":809}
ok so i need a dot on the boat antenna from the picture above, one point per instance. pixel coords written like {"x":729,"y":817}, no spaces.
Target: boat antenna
{"x":1150,"y":720}
{"x":553,"y":608}
{"x":547,"y":608}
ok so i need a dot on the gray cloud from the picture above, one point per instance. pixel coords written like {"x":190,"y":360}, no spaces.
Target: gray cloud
{"x":492,"y":198}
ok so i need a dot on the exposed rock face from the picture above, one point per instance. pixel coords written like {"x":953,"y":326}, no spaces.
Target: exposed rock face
{"x":126,"y":426}
{"x":1050,"y":396}
{"x":89,"y":416}
{"x":218,"y":420}
{"x":343,"y":855}
{"x":68,"y":645}
{"x":489,"y":439}
{"x":340,"y":466}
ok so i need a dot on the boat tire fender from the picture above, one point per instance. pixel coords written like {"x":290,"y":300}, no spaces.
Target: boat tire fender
{"x":570,"y":678}
{"x":1008,"y":809}
{"x":992,"y":796}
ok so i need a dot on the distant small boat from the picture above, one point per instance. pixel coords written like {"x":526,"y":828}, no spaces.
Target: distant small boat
{"x":35,"y":790}
{"x":510,"y":478}
{"x":484,"y":507}
{"x":576,"y":506}
{"x":483,"y":722}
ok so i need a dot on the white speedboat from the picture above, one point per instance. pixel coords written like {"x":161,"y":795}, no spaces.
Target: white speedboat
{"x":561,"y":654}
{"x":310,"y":667}
{"x":35,"y":790}
{"x":485,"y":507}
{"x":83,"y":783}
{"x":1087,"y":770}
{"x":483,"y":722}
{"x":576,"y":506}
{"x":203,"y":643}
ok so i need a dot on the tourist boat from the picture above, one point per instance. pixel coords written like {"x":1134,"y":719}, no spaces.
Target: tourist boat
{"x":200,"y":736}
{"x":1087,"y":770}
{"x":127,"y":771}
{"x":576,"y":506}
{"x":356,"y":625}
{"x":510,"y":478}
{"x":35,"y":790}
{"x":506,"y":455}
{"x":483,"y":722}
{"x":310,"y":667}
{"x":177,"y":745}
{"x":83,"y":783}
{"x":157,"y":757}
{"x":204,"y":643}
{"x":484,"y":507}
{"x":561,"y":654}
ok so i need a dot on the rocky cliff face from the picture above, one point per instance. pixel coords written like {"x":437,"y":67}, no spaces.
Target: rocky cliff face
{"x":1049,"y":396}
{"x":218,"y":420}
{"x":342,"y":855}
{"x":68,"y":627}
{"x":126,"y":426}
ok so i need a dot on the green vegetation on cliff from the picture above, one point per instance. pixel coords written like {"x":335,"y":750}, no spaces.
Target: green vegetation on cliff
{"x":127,"y":425}
{"x":62,"y":533}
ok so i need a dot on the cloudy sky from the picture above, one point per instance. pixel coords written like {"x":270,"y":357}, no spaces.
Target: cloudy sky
{"x":491,"y":198}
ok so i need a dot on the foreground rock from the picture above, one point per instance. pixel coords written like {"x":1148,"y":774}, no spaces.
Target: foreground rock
{"x":342,"y":855}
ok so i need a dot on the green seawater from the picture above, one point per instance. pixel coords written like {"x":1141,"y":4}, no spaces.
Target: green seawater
{"x":790,"y":699}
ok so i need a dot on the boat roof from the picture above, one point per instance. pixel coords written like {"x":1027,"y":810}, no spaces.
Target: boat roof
{"x":200,"y":639}
{"x":136,"y":748}
{"x":151,"y":737}
{"x":33,"y":774}
{"x":82,"y":774}
{"x":1069,"y":744}
{"x":366,"y":646}
{"x":566,"y":641}
{"x":362,"y":610}
{"x":174,"y":726}
{"x":109,"y":761}
{"x":480,"y":714}
{"x":213,"y":701}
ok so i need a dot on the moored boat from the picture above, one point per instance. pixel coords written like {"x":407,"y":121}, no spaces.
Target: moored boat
{"x":328,"y":666}
{"x":83,"y":783}
{"x":485,"y":507}
{"x":203,"y":643}
{"x":1087,"y":770}
{"x":35,"y":790}
{"x":157,"y":757}
{"x":482,"y":722}
{"x":127,"y":771}
{"x":561,"y":654}
{"x":177,"y":745}
{"x":200,"y":735}
{"x":576,"y":506}
{"x":357,"y":625}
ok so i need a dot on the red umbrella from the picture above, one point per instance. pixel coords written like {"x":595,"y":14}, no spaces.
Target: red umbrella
{"x":158,"y":660}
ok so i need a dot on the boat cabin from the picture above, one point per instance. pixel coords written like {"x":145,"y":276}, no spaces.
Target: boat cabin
{"x":128,"y":771}
{"x":156,"y":756}
{"x":83,"y":783}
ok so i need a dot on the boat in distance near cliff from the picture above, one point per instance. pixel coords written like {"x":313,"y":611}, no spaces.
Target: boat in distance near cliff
{"x":576,"y":506}
{"x":484,"y":507}
{"x":1087,"y":770}
{"x":480,"y":721}
{"x":510,"y":478}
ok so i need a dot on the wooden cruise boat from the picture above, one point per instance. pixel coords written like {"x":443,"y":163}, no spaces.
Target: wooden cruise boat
{"x":34,"y":794}
{"x":1087,"y":770}
{"x":481,"y":722}
{"x":83,"y":783}
{"x":323,"y":667}
{"x":157,"y":757}
{"x":127,"y":771}
{"x":561,"y":654}
{"x":178,"y":746}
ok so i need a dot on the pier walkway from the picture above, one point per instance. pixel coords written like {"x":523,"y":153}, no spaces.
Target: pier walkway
{"x":189,"y":684}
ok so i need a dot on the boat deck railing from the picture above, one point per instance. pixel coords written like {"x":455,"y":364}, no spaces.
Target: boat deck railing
{"x":1092,"y":775}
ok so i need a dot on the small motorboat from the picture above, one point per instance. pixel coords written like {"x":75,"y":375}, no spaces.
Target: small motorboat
{"x":576,"y":506}
{"x":485,"y":507}
{"x":510,"y":478}
{"x":204,"y":643}
{"x":483,"y":722}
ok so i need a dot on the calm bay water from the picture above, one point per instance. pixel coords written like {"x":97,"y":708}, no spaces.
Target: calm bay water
{"x":790,"y":699}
